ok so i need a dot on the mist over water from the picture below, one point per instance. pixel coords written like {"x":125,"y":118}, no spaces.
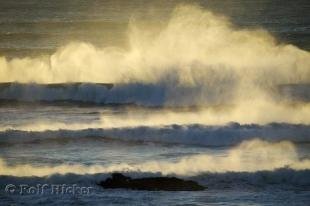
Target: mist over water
{"x":250,"y":156}
{"x":194,"y":58}
{"x":207,"y":44}
{"x":185,"y":90}
{"x":197,"y":58}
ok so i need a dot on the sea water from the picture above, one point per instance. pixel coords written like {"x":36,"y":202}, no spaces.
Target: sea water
{"x":211,"y":91}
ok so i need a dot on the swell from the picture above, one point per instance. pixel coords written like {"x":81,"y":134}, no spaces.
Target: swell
{"x":92,"y":93}
{"x":134,"y":93}
{"x":195,"y":134}
{"x":241,"y":163}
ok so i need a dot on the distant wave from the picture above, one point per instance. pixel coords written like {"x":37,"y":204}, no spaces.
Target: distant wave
{"x":61,"y":23}
{"x":97,"y":93}
{"x":226,"y":135}
{"x":253,"y":162}
{"x":93,"y":93}
{"x":133,"y":93}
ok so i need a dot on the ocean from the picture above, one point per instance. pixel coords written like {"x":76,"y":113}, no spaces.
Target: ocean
{"x":217,"y":92}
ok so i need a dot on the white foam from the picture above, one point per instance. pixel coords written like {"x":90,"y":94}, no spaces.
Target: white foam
{"x":225,"y":135}
{"x":249,"y":156}
{"x":197,"y":58}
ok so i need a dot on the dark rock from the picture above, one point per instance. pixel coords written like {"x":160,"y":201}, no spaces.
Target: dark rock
{"x":119,"y":180}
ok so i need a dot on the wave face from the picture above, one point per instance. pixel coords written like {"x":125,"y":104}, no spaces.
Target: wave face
{"x":134,"y":93}
{"x":258,"y":169}
{"x":206,"y":69}
{"x":69,"y":92}
{"x":245,"y":157}
{"x":183,"y":93}
{"x":226,"y":135}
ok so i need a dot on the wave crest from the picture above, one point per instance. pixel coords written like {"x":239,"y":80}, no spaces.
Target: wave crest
{"x":197,"y":58}
{"x":225,"y":135}
{"x":249,"y":156}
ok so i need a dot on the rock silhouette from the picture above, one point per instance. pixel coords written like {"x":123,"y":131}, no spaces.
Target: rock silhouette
{"x":119,"y":180}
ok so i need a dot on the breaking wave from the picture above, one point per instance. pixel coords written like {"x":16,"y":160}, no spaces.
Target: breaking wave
{"x":196,"y":134}
{"x":195,"y":58}
{"x":255,"y":162}
{"x":131,"y":93}
{"x":289,"y":103}
{"x":92,"y":93}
